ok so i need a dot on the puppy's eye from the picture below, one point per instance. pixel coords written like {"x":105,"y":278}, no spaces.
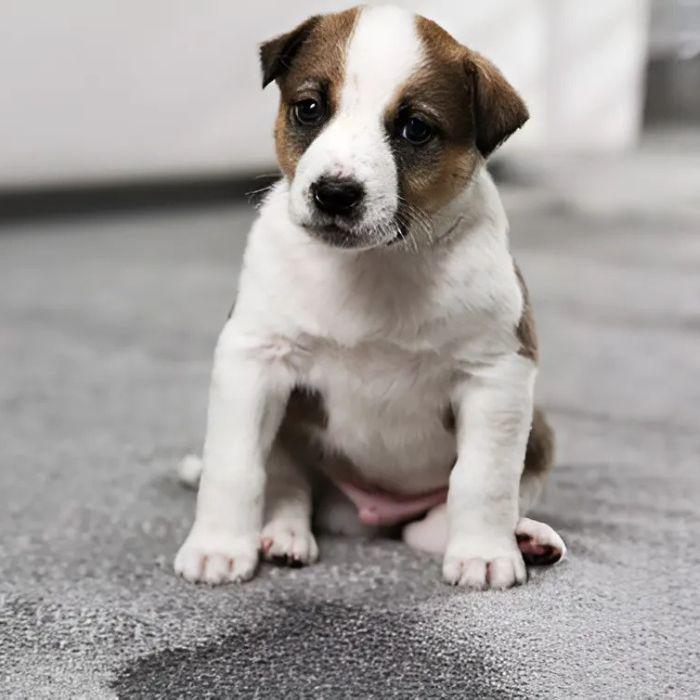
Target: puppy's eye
{"x":309,"y":112}
{"x":416,"y":131}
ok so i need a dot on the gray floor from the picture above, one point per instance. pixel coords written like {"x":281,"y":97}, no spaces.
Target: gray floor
{"x":107,"y":328}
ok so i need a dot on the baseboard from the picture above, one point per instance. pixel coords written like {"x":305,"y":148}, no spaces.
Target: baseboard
{"x":117,"y":197}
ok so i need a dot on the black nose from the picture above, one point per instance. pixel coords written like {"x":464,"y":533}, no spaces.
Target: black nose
{"x":336,"y":196}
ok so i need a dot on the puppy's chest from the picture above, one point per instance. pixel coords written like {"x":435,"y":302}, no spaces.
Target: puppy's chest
{"x":388,"y":411}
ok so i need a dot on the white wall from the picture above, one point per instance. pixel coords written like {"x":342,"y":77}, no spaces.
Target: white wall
{"x":109,"y":89}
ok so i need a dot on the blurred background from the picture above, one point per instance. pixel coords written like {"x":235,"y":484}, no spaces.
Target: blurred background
{"x":133,"y":135}
{"x":118,"y":91}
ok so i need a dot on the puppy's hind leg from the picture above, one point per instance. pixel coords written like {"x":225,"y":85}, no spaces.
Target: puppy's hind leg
{"x":286,"y":536}
{"x":430,"y":533}
{"x":539,"y":461}
{"x":539,"y":543}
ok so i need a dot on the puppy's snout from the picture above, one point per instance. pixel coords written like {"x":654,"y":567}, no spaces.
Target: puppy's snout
{"x":337,"y":196}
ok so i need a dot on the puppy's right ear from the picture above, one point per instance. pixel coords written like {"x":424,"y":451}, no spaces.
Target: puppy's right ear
{"x":276,"y":55}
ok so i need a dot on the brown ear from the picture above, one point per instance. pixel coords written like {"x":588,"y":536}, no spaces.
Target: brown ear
{"x":277,"y":54}
{"x":498,"y":109}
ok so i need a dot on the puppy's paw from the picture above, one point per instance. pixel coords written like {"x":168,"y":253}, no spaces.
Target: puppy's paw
{"x":208,"y":556}
{"x":483,"y":563}
{"x":288,"y":542}
{"x":429,"y":534}
{"x":539,"y":543}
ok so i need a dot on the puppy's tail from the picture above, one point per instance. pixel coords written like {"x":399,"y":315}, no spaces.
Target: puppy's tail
{"x":189,"y":470}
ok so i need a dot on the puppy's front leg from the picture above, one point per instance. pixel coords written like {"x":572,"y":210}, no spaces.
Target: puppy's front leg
{"x":494,"y":413}
{"x":249,"y":389}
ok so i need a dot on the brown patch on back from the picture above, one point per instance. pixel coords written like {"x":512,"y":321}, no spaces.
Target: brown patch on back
{"x":526,"y":332}
{"x":316,"y":65}
{"x":539,"y":455}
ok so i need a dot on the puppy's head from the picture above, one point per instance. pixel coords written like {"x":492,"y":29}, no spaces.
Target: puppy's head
{"x":383,"y":119}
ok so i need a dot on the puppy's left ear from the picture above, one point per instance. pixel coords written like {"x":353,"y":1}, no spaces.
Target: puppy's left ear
{"x":498,"y":109}
{"x":276,"y":55}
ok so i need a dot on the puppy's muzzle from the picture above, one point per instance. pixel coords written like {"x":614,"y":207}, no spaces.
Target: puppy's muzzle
{"x":338,"y":197}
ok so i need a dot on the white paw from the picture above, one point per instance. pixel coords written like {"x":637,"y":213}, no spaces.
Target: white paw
{"x":429,"y":534}
{"x":539,"y":543}
{"x":208,"y":556}
{"x":290,"y":542}
{"x":482,"y":563}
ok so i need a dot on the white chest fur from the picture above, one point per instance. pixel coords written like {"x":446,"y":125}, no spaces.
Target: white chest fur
{"x":387,"y":412}
{"x":383,"y":335}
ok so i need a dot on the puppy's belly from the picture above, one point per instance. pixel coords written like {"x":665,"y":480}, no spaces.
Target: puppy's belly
{"x":388,"y":421}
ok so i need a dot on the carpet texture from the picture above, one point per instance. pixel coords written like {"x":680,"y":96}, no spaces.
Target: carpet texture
{"x":107,"y":330}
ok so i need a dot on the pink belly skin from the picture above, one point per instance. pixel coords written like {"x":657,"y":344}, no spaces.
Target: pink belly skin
{"x":382,"y":508}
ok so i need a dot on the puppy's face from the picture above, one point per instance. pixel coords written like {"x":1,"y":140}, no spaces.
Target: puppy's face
{"x":383,"y":119}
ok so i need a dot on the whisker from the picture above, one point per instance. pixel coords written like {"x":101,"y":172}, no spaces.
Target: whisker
{"x":261,"y":189}
{"x":255,"y":197}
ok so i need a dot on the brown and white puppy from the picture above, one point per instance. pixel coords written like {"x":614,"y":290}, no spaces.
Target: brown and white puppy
{"x":381,"y":357}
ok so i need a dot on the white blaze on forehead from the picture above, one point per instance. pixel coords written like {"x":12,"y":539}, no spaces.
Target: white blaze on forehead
{"x":384,"y":51}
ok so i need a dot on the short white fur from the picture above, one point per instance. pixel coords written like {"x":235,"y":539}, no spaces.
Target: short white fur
{"x":389,"y":338}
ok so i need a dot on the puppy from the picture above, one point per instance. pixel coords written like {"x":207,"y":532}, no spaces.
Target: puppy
{"x":381,"y":356}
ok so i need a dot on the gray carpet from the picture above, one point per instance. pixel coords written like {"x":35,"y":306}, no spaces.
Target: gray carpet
{"x":106,"y":333}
